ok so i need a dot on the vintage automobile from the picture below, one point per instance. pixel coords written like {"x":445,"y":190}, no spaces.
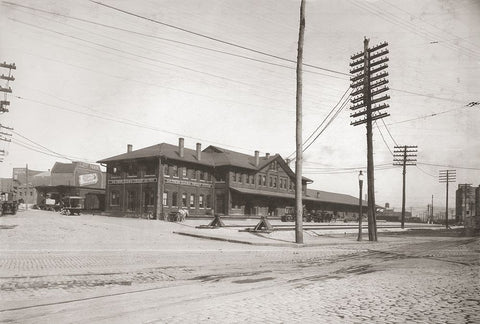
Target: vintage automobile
{"x":8,"y":205}
{"x":72,"y":205}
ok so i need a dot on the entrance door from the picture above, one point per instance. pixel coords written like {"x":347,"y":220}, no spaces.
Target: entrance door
{"x":131,"y":200}
{"x":220,"y":204}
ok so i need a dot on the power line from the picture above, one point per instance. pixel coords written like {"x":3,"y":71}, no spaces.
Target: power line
{"x":383,"y":14}
{"x":394,"y":141}
{"x":214,"y":38}
{"x":448,"y":166}
{"x":128,"y":122}
{"x":155,"y":60}
{"x":167,"y":39}
{"x":426,"y":116}
{"x":24,"y":137}
{"x":383,"y":138}
{"x":323,"y":121}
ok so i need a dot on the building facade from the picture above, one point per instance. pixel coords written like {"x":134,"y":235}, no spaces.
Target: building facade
{"x":74,"y":179}
{"x":164,"y":178}
{"x":468,"y":207}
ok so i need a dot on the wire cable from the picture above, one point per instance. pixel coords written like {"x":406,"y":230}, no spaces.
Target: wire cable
{"x":213,"y":38}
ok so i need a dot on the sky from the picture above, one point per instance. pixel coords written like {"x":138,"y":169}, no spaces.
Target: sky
{"x":94,"y":76}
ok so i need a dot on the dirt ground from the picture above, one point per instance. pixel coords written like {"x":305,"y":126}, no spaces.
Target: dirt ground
{"x":96,"y":269}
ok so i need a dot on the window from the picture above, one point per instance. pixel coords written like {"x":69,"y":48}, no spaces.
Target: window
{"x":175,"y":170}
{"x":275,"y":182}
{"x":200,"y":201}
{"x":259,"y":180}
{"x":209,"y":201}
{"x":148,"y":198}
{"x":239,"y":177}
{"x":233,"y":177}
{"x":247,"y":179}
{"x":184,"y":172}
{"x":192,"y":201}
{"x":252,"y":179}
{"x":264,"y":181}
{"x":165,"y":198}
{"x":150,"y":168}
{"x":184,"y":200}
{"x":132,"y":170}
{"x":208,"y":176}
{"x":174,"y":199}
{"x":165,"y":169}
{"x":114,"y":198}
{"x":116,"y":171}
{"x":202,"y":175}
{"x":270,"y":182}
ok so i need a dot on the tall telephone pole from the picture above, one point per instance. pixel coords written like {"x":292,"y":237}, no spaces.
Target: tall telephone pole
{"x":404,"y":155}
{"x":298,"y":139}
{"x":369,"y":81}
{"x":447,"y":176}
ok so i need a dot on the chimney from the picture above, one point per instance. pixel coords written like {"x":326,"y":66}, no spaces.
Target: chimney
{"x":129,"y":148}
{"x":318,"y":194}
{"x":267,"y":155}
{"x":180,"y":146}
{"x":288,"y":162}
{"x":199,"y":151}
{"x":257,"y":158}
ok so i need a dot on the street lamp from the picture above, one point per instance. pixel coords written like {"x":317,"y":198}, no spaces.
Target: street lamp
{"x":360,"y":214}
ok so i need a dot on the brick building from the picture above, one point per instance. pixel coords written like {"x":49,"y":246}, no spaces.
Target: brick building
{"x":468,"y":207}
{"x":164,"y":177}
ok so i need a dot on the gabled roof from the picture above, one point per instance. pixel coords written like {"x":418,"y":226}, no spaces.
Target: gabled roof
{"x":165,"y":150}
{"x":223,"y":157}
{"x":59,"y":167}
{"x":332,"y":197}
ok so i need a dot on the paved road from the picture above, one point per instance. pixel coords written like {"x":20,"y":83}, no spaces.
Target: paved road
{"x":159,"y":277}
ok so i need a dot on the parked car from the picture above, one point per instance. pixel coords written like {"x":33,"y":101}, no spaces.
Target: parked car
{"x":72,"y":205}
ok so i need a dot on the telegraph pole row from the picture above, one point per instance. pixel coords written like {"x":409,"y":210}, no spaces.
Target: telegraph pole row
{"x":7,"y":89}
{"x":447,"y":176}
{"x":404,"y":155}
{"x":369,"y":80}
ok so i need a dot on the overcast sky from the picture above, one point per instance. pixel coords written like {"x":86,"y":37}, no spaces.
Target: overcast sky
{"x":91,"y":79}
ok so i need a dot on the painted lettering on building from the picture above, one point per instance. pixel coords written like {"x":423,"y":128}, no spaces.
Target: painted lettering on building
{"x":189,"y":183}
{"x":127,"y":181}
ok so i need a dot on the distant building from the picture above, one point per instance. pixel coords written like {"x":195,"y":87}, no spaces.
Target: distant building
{"x":23,"y":191}
{"x":468,"y":207}
{"x":389,"y":214}
{"x":163,"y":178}
{"x":74,"y":179}
{"x":466,"y":202}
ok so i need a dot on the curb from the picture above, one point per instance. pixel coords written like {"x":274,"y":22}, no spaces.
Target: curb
{"x":215,"y":238}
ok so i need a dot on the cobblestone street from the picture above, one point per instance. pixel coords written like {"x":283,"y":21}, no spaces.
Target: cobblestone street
{"x":116,"y":270}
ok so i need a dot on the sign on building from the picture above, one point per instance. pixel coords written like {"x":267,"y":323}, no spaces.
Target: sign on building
{"x":88,"y":179}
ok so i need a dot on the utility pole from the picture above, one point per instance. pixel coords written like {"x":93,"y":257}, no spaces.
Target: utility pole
{"x":404,"y":155}
{"x":368,"y":82}
{"x":26,"y":186}
{"x":4,"y":103}
{"x":299,"y":140}
{"x":447,"y":176}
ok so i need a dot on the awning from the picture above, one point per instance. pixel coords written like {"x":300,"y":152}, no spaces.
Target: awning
{"x":257,"y":192}
{"x":263,"y":193}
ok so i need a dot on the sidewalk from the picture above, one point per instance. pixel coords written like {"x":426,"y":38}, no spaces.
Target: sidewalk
{"x":235,"y":232}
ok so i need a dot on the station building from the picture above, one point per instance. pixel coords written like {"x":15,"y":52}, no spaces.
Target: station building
{"x":163,"y":178}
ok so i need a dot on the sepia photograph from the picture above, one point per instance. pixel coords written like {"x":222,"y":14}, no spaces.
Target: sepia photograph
{"x":240,"y":161}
